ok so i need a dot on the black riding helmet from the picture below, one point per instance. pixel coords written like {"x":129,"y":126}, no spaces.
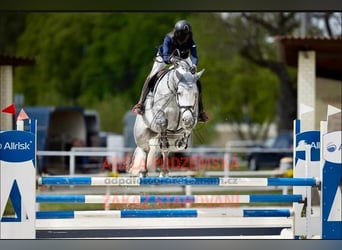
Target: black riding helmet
{"x":182,"y":31}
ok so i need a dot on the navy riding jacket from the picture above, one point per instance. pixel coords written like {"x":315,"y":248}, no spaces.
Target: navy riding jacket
{"x":170,"y":45}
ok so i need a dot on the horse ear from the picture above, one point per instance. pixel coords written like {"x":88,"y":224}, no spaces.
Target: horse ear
{"x":199,"y":74}
{"x":179,"y":75}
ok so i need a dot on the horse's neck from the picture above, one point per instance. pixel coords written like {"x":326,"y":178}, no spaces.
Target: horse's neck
{"x":165,"y":90}
{"x":163,"y":99}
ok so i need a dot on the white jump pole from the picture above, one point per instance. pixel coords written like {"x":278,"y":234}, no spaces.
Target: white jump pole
{"x":306,"y":163}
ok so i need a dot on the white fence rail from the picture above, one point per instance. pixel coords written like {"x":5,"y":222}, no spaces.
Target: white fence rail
{"x":117,"y":154}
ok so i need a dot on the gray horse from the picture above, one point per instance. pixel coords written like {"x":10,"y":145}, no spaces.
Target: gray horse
{"x":169,"y":118}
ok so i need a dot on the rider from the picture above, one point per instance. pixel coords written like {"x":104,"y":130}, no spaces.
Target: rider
{"x":180,"y":39}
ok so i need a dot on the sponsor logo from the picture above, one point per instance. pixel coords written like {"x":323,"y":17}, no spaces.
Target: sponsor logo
{"x":331,"y":147}
{"x":311,"y":138}
{"x":17,"y":146}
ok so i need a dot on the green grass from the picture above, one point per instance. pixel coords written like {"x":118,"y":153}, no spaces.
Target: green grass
{"x":69,"y":206}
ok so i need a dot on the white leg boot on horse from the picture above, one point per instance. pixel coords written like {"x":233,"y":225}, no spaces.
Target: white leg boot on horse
{"x":138,"y":164}
{"x":142,"y":135}
{"x":165,"y":166}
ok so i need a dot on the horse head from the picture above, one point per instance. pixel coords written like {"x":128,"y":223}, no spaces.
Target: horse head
{"x":186,"y":92}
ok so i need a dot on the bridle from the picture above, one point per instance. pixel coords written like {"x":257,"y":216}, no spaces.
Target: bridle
{"x":174,"y":91}
{"x":173,"y":82}
{"x":183,"y":108}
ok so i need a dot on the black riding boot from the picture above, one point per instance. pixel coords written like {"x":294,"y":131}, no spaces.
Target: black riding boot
{"x":202,"y":116}
{"x":139,"y":107}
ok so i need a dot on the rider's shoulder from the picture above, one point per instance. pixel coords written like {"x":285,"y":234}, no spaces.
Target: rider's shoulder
{"x":169,"y":36}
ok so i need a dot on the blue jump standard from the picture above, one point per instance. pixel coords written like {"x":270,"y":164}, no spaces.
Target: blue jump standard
{"x":211,"y":181}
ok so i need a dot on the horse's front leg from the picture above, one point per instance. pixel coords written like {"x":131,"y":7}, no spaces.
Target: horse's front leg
{"x":165,"y":167}
{"x":164,"y":142}
{"x":182,"y":143}
{"x":162,"y":123}
{"x":164,"y":145}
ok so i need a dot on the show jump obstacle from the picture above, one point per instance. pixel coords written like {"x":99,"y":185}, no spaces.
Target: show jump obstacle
{"x":317,"y":164}
{"x":17,"y":181}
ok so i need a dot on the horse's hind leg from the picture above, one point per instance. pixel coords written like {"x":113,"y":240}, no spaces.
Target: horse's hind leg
{"x":153,"y":159}
{"x":138,"y":164}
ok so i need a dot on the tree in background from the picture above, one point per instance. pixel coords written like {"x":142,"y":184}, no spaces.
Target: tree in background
{"x":100,"y":60}
{"x":246,"y":83}
{"x":236,"y":91}
{"x":11,"y":26}
{"x":95,"y":60}
{"x":252,"y":35}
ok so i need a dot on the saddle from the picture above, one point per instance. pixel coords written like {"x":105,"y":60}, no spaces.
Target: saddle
{"x":155,"y":78}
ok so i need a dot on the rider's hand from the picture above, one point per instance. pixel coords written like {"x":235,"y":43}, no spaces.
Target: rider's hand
{"x":173,"y":60}
{"x":193,"y":69}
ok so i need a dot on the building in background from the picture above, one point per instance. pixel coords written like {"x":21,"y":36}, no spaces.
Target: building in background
{"x":7,"y":64}
{"x":319,"y":64}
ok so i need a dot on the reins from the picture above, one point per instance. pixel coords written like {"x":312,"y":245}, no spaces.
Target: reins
{"x":173,"y":88}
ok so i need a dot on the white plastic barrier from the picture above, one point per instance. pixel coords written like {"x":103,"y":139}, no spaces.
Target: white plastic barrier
{"x":17,"y":182}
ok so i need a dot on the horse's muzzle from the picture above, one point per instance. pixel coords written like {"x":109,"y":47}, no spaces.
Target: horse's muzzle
{"x":187,"y":119}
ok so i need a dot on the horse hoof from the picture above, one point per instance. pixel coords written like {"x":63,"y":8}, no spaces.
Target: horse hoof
{"x":143,"y":174}
{"x":163,"y":174}
{"x":136,"y":171}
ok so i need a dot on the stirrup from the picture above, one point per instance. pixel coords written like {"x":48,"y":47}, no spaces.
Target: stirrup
{"x":202,"y":117}
{"x":138,"y":109}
